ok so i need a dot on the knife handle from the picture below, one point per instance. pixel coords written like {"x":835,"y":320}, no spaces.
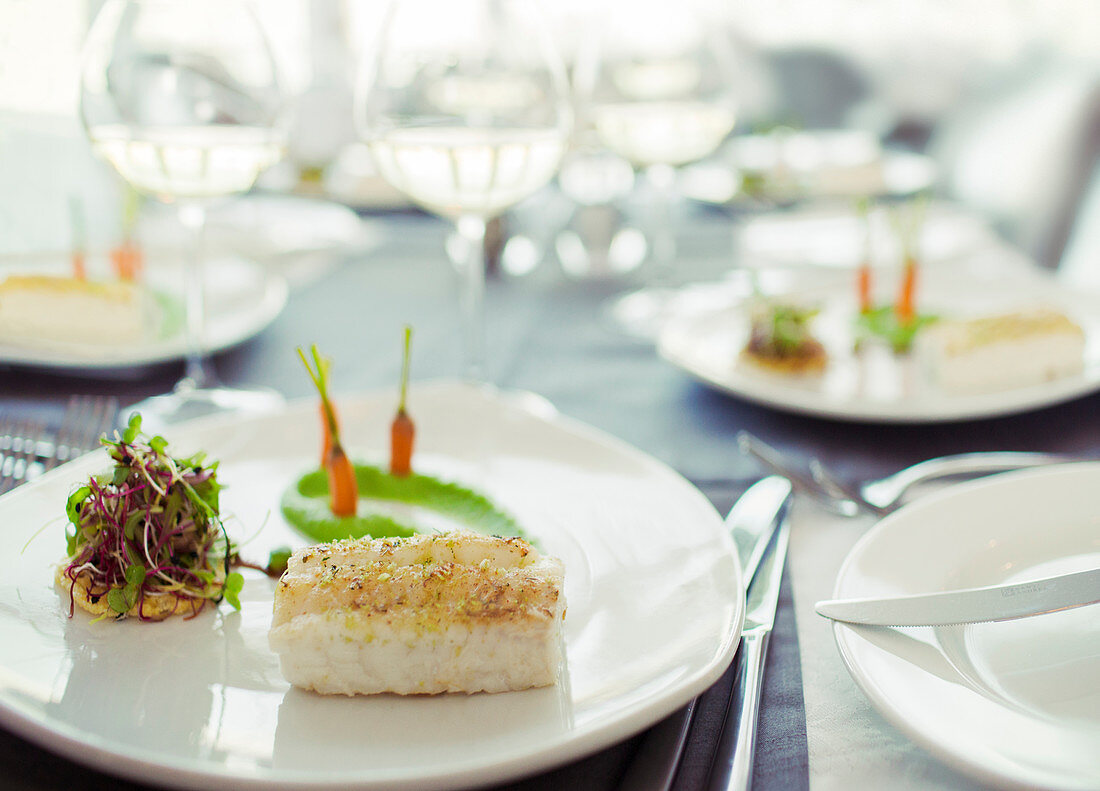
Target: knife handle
{"x":741,"y":719}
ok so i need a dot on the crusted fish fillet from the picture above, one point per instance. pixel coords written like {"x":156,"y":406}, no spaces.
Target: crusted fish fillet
{"x":452,"y":612}
{"x":1003,"y":351}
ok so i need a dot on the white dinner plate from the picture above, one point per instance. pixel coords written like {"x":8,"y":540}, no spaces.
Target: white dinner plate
{"x":839,"y":236}
{"x":652,"y":584}
{"x":875,"y":385}
{"x":821,"y":164}
{"x":1015,"y":702}
{"x":242,"y":298}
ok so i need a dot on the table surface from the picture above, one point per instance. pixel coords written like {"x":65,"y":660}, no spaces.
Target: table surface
{"x":549,"y":334}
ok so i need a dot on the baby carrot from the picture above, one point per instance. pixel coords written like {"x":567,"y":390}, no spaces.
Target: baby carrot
{"x":343,"y":488}
{"x":905,"y":308}
{"x":402,"y":430}
{"x":863,"y":278}
{"x":326,"y":433}
{"x":863,"y":284}
{"x":126,"y":259}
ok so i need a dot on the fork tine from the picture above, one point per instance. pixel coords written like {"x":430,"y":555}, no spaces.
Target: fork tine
{"x":86,"y":423}
{"x":105,"y":414}
{"x":774,"y":460}
{"x":9,"y":436}
{"x":843,"y":491}
{"x":22,"y":454}
{"x":86,"y":419}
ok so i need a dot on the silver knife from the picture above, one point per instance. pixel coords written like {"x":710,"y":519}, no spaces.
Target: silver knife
{"x":971,"y":605}
{"x":751,"y":523}
{"x":733,"y":762}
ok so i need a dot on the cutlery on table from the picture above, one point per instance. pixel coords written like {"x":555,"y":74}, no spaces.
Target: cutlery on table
{"x":732,"y":769}
{"x":752,"y":522}
{"x":20,"y":440}
{"x":886,"y":495}
{"x":28,"y":449}
{"x":970,"y":605}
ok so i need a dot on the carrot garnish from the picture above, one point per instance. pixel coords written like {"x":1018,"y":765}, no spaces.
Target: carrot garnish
{"x":908,"y":223}
{"x":863,"y":276}
{"x":127,"y":260}
{"x":326,"y":432}
{"x":80,"y":272}
{"x":863,"y":283}
{"x":343,"y":488}
{"x":79,"y":243}
{"x":906,"y":307}
{"x":402,"y":430}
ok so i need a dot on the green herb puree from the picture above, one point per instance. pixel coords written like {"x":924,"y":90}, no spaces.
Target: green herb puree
{"x":305,"y":505}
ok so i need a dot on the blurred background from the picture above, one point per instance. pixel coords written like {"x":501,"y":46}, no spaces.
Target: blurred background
{"x":993,"y":105}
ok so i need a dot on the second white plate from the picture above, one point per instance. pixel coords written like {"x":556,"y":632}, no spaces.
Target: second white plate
{"x":875,"y":385}
{"x":1015,"y":702}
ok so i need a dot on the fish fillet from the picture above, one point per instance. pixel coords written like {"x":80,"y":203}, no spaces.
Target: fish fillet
{"x":1003,"y":351}
{"x":451,"y":612}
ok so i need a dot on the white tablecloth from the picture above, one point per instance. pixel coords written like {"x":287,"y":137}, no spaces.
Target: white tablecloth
{"x":851,"y":746}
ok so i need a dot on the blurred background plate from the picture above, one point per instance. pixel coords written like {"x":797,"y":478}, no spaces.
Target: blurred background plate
{"x":875,"y":385}
{"x":242,"y":298}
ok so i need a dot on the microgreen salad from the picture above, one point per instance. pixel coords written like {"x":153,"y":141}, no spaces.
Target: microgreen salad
{"x":146,"y":539}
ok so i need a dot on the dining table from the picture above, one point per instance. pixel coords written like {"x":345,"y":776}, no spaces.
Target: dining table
{"x":550,"y":333}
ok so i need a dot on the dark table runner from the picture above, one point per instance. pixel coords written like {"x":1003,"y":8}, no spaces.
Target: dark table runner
{"x":550,"y":336}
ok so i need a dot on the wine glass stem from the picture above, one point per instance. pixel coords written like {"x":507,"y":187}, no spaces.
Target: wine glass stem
{"x":197,"y":374}
{"x":472,"y":304}
{"x":662,"y":181}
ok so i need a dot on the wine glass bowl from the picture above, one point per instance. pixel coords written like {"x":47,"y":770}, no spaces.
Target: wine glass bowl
{"x":655,"y":83}
{"x":183,"y":100}
{"x":465,"y":108}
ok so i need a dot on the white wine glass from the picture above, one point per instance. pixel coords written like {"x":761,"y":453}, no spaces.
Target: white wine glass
{"x":183,"y":100}
{"x":655,"y":82}
{"x":465,"y":107}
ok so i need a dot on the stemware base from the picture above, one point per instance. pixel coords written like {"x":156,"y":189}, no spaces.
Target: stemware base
{"x":188,"y":403}
{"x":643,"y":313}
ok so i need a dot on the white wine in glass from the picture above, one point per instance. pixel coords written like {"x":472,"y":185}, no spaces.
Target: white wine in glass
{"x":656,"y":84}
{"x":182,"y":99}
{"x":465,"y":108}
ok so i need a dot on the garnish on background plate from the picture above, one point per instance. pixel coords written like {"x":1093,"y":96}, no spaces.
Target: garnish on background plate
{"x":146,"y":540}
{"x":885,"y":324}
{"x":780,"y":339}
{"x":897,"y":324}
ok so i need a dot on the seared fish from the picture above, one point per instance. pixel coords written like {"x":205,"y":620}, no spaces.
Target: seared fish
{"x":451,"y":612}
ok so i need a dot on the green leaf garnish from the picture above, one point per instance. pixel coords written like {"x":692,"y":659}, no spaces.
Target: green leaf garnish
{"x":132,"y":429}
{"x":134,"y":575}
{"x":882,"y":323}
{"x":231,"y":590}
{"x":117,"y":601}
{"x":277,"y":561}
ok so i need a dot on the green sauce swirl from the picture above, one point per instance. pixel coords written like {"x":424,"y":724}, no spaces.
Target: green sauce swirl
{"x":305,"y":505}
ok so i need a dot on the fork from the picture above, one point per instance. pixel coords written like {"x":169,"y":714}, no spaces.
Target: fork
{"x":884,"y":496}
{"x":19,"y":442}
{"x":27,"y":452}
{"x":86,"y":419}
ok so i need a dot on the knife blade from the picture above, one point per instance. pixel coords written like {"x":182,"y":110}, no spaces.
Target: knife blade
{"x":970,"y":605}
{"x":751,"y":523}
{"x":732,"y":769}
